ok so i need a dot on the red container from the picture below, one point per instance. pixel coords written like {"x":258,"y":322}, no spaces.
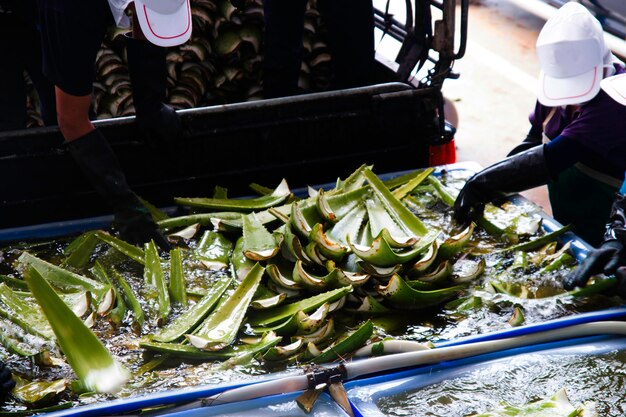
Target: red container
{"x":442,"y":154}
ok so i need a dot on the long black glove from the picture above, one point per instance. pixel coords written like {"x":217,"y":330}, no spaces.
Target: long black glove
{"x":96,"y":159}
{"x":610,"y":255}
{"x":520,"y":172}
{"x":158,"y":122}
{"x":6,"y":382}
{"x":531,"y":140}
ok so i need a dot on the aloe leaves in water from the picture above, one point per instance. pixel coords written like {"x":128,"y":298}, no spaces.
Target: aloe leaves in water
{"x":89,"y":358}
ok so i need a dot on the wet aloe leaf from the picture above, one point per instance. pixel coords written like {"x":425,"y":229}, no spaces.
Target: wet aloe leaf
{"x":282,"y":277}
{"x":329,"y":248}
{"x":86,"y":354}
{"x":443,"y":192}
{"x":62,"y":278}
{"x":239,"y":262}
{"x":439,"y":275}
{"x":281,"y":353}
{"x":80,"y":250}
{"x":247,"y":205}
{"x":155,"y":279}
{"x":455,"y":244}
{"x":380,"y":253}
{"x":204,"y":219}
{"x":303,"y":217}
{"x":539,"y":242}
{"x":381,"y":222}
{"x":214,"y":250}
{"x":269,"y":302}
{"x":307,"y":305}
{"x":38,"y":393}
{"x":336,"y":206}
{"x":23,"y":313}
{"x":192,"y":317}
{"x":556,"y":406}
{"x":422,"y":264}
{"x":177,"y":288}
{"x":14,"y":283}
{"x":401,"y":295}
{"x":371,"y":305}
{"x":220,"y":328}
{"x":517,"y":319}
{"x":258,"y":243}
{"x":468,"y":270}
{"x":187,"y":351}
{"x":355,"y":180}
{"x":354,"y":341}
{"x":132,"y":251}
{"x":347,"y":229}
{"x":129,"y":298}
{"x":118,"y":313}
{"x":19,"y":341}
{"x":410,"y":185}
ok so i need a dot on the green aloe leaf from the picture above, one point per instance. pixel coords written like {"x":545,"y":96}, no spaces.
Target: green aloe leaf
{"x":39,"y":392}
{"x":539,"y":242}
{"x":23,"y":313}
{"x":155,"y":279}
{"x":422,"y":264}
{"x":556,"y":406}
{"x":455,"y":244}
{"x":401,"y":295}
{"x":214,"y":250}
{"x":132,"y":251}
{"x":347,"y":229}
{"x":352,"y":342}
{"x":328,"y":247}
{"x":380,"y":220}
{"x":204,"y":219}
{"x":410,"y":185}
{"x":443,"y":192}
{"x":118,"y":313}
{"x":258,"y":243}
{"x":245,"y":205}
{"x":80,"y":250}
{"x":193,"y":316}
{"x":177,"y":288}
{"x":240,"y":263}
{"x":334,"y":207}
{"x":86,"y":354}
{"x":129,"y":298}
{"x":380,"y":253}
{"x":220,"y":328}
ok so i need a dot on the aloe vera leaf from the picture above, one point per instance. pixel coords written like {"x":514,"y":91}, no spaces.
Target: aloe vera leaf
{"x":400,"y":180}
{"x":240,"y":264}
{"x":258,"y":243}
{"x":380,"y":253}
{"x":177,"y":288}
{"x":14,"y":283}
{"x":371,"y":305}
{"x":347,"y":229}
{"x":334,"y":207}
{"x":269,"y":317}
{"x":154,"y":278}
{"x":270,"y":302}
{"x":278,"y":196}
{"x":398,"y":211}
{"x":322,"y":334}
{"x":380,"y":219}
{"x":401,"y":295}
{"x":329,"y":248}
{"x":204,"y":219}
{"x":475,"y":270}
{"x":443,"y":192}
{"x":214,"y":250}
{"x":420,"y":266}
{"x":281,"y":278}
{"x":410,"y":185}
{"x":190,"y":352}
{"x":118,"y":313}
{"x":85,"y":353}
{"x":259,"y":189}
{"x":220,"y":328}
{"x":186,"y":233}
{"x":517,"y":318}
{"x":355,"y":180}
{"x":354,"y":341}
{"x":285,"y":328}
{"x":17,"y":340}
{"x":129,"y":297}
{"x":556,"y":406}
{"x":303,"y":216}
{"x":292,"y":248}
{"x":439,"y":275}
{"x":23,"y":313}
{"x":539,"y":242}
{"x":80,"y":250}
{"x":156,"y":213}
{"x":281,"y":353}
{"x":417,"y":284}
{"x":192,"y":317}
{"x":308,"y":323}
{"x":597,"y":286}
{"x":39,"y":392}
{"x":455,"y":244}
{"x":62,"y":278}
{"x":379,"y":271}
{"x":132,"y":251}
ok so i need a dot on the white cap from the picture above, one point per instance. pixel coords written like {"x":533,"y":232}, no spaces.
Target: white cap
{"x":615,"y":87}
{"x":164,"y":22}
{"x":571,"y":53}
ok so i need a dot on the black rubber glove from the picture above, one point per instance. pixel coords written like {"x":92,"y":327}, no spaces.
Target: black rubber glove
{"x":135,"y":225}
{"x":610,"y":255}
{"x":6,"y":382}
{"x":520,"y":172}
{"x":531,"y":140}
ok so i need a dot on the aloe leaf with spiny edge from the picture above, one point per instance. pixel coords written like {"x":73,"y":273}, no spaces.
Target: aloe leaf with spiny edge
{"x":258,"y":243}
{"x":23,"y":313}
{"x":334,"y":207}
{"x":381,"y":222}
{"x":91,"y":361}
{"x":132,"y":251}
{"x":220,"y":328}
{"x":349,"y":344}
{"x":381,"y":254}
{"x":269,"y":317}
{"x":245,"y":205}
{"x":129,"y":298}
{"x":214,"y":250}
{"x":421,"y":265}
{"x":303,"y":216}
{"x":406,"y":188}
{"x":347,"y":229}
{"x":240,"y":264}
{"x":62,"y":278}
{"x":443,"y":192}
{"x":188,"y":320}
{"x":455,"y":244}
{"x":155,"y":279}
{"x":371,"y":306}
{"x":329,"y":248}
{"x":80,"y":250}
{"x":539,"y":242}
{"x":117,"y":313}
{"x":398,"y":293}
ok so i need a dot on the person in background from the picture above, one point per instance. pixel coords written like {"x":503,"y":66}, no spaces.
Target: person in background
{"x":350,"y":26}
{"x":72,"y":32}
{"x":581,"y":127}
{"x":20,"y":47}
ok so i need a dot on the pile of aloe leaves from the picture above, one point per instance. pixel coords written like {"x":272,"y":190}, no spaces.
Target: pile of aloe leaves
{"x":274,"y":282}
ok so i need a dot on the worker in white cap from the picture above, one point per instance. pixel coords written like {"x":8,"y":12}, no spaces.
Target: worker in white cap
{"x":576,"y":143}
{"x":72,"y":32}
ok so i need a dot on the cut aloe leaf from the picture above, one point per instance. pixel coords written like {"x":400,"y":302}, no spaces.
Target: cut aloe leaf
{"x":313,"y":282}
{"x":177,"y":287}
{"x":187,"y":233}
{"x":132,"y":251}
{"x":62,"y":278}
{"x":371,"y":305}
{"x":313,"y":252}
{"x":23,"y":313}
{"x":204,"y":219}
{"x":154,"y":278}
{"x":403,"y":190}
{"x":190,"y":352}
{"x":455,"y":244}
{"x":336,"y":206}
{"x":128,"y":296}
{"x":291,"y":247}
{"x":398,"y":211}
{"x":14,"y":283}
{"x":85,"y":353}
{"x":355,"y":180}
{"x":258,"y":243}
{"x":220,"y":328}
{"x":467,"y":270}
{"x":246,"y":205}
{"x":281,"y":353}
{"x":308,"y":323}
{"x":539,"y":242}
{"x":401,"y":295}
{"x":280,"y":277}
{"x":322,"y":334}
{"x":329,"y":248}
{"x":193,"y":316}
{"x":381,"y":222}
{"x":380,"y":253}
{"x":347,"y":229}
{"x":80,"y":250}
{"x":443,"y":192}
{"x":270,"y":302}
{"x":354,"y":341}
{"x":287,"y":328}
{"x":344,"y":278}
{"x":517,"y":319}
{"x":118,"y":313}
{"x":307,"y":305}
{"x":241,"y":264}
{"x":214,"y":250}
{"x":439,"y":275}
{"x":303,"y":217}
{"x":38,"y":393}
{"x":425,"y":262}
{"x":19,"y":341}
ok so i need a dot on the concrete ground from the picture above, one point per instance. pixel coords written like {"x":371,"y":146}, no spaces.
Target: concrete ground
{"x":496,"y":90}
